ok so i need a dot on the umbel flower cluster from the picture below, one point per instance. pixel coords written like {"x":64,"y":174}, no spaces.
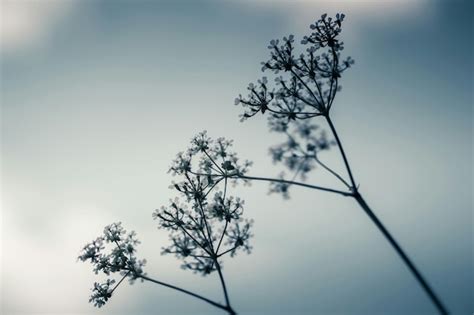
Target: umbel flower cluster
{"x":306,"y":82}
{"x":205,"y":222}
{"x":212,"y":160}
{"x":112,"y":253}
{"x":299,"y":152}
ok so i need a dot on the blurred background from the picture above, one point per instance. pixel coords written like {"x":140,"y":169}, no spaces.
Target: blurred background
{"x":98,"y":96}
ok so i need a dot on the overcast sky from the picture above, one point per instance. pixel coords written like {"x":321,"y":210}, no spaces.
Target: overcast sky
{"x":98,"y":96}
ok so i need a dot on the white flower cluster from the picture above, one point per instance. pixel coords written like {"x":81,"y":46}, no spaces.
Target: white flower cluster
{"x":112,"y":252}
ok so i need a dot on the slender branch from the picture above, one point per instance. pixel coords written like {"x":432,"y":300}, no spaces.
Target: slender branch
{"x":225,"y":191}
{"x":339,"y":144}
{"x":212,"y":160}
{"x":334,"y":96}
{"x":317,"y":161}
{"x":194,"y":239}
{"x":199,"y":230}
{"x":184,"y":291}
{"x":316,"y":83}
{"x":226,"y":222}
{"x":218,"y":266}
{"x":335,"y":62}
{"x":200,"y":256}
{"x":224,"y":288}
{"x":209,"y":233}
{"x":426,"y":287}
{"x":289,"y":182}
{"x":213,"y":185}
{"x":189,"y":234}
{"x":227,"y":251}
{"x":302,"y":81}
{"x":436,"y":301}
{"x":296,"y":94}
{"x":121,"y":280}
{"x":202,"y":214}
{"x":306,"y":86}
{"x":331,"y":171}
{"x":222,"y":237}
{"x":268,"y":179}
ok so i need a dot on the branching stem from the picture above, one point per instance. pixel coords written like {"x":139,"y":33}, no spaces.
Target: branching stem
{"x":186,"y":292}
{"x":224,"y":287}
{"x":421,"y":280}
{"x":341,"y":148}
{"x":121,"y":280}
{"x":289,"y":182}
{"x":356,"y":195}
{"x":332,"y":172}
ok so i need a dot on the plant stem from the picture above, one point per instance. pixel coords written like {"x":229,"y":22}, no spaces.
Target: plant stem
{"x":224,"y":288}
{"x":436,"y":301}
{"x":339,"y":144}
{"x":354,"y":193}
{"x":186,"y":292}
{"x":332,"y":172}
{"x":289,"y":182}
{"x":121,"y":280}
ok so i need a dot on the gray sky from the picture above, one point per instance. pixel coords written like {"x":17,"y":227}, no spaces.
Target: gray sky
{"x":98,"y":96}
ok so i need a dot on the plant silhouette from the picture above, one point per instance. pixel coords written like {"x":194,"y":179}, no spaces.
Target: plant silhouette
{"x":306,"y":84}
{"x":205,"y":222}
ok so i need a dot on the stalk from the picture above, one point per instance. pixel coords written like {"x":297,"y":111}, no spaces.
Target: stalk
{"x":411,"y":266}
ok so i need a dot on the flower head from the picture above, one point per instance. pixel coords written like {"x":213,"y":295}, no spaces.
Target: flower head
{"x":101,"y":293}
{"x":112,"y":253}
{"x":201,"y":219}
{"x":307,"y":82}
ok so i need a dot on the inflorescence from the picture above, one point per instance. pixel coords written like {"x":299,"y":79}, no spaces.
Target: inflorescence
{"x":112,"y":252}
{"x":206,"y":223}
{"x":305,"y":87}
{"x":309,"y":80}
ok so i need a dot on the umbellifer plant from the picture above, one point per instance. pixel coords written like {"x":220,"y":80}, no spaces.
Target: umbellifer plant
{"x":204,"y":229}
{"x":306,"y":84}
{"x":205,"y":223}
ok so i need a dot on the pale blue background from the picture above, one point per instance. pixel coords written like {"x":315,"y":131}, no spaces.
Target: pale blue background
{"x":98,"y":96}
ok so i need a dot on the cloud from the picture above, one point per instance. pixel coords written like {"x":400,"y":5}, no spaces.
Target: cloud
{"x":38,"y":266}
{"x":301,"y":12}
{"x":26,"y":24}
